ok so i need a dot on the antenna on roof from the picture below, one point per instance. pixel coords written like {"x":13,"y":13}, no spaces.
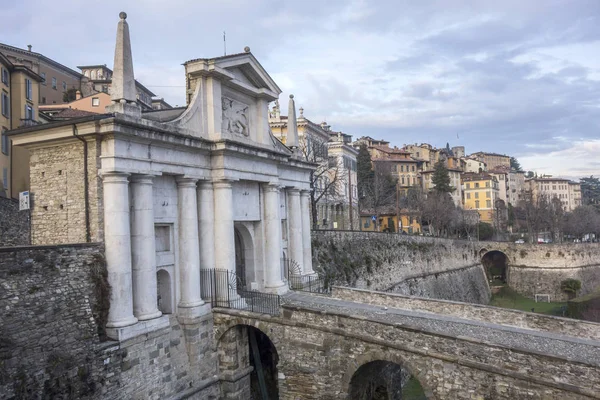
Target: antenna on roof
{"x":224,"y":44}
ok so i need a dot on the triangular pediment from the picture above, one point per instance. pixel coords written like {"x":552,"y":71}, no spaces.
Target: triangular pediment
{"x":247,"y":70}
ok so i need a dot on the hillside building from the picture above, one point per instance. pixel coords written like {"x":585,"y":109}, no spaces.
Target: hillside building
{"x":492,"y":160}
{"x":480,"y":193}
{"x":19,"y":94}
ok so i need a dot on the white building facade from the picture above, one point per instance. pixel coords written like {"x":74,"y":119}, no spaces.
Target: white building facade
{"x":176,"y":193}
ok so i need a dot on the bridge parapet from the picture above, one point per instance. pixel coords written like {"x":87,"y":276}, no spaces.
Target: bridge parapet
{"x":495,"y":315}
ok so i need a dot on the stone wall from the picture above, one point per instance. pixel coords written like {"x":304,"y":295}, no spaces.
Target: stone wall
{"x":411,"y":265}
{"x":541,"y":268}
{"x":51,"y":335}
{"x":319,"y":352}
{"x":14,"y":224}
{"x":57,"y":182}
{"x":495,"y":315}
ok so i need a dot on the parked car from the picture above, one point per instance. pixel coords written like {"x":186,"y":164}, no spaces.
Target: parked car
{"x":519,"y":241}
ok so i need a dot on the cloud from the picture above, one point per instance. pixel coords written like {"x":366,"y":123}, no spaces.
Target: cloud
{"x":508,"y":77}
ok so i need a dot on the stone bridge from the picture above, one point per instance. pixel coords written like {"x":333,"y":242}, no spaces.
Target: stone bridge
{"x":360,"y":344}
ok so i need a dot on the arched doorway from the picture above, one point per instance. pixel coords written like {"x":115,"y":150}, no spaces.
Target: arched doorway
{"x":384,"y":380}
{"x":165,"y":301}
{"x":244,"y":254}
{"x":242,"y":347}
{"x":240,"y":266}
{"x":495,"y":264}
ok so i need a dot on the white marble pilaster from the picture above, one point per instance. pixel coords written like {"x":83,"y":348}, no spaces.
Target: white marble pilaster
{"x":223,"y":226}
{"x":143,"y":252}
{"x":273,"y":250}
{"x":206,"y":220}
{"x":295,"y":246}
{"x":117,"y":240}
{"x":306,"y":239}
{"x":190,"y":301}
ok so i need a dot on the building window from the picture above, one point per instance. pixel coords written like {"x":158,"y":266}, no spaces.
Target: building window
{"x":468,"y":195}
{"x":488,"y":194}
{"x":43,"y":100}
{"x":476,"y":203}
{"x":5,"y":105}
{"x":64,"y":86}
{"x":476,"y":184}
{"x":162,"y":238}
{"x":487,"y":184}
{"x":28,"y":89}
{"x":43,"y":75}
{"x":28,"y":112}
{"x":95,"y":102}
{"x":5,"y":142}
{"x":5,"y":76}
{"x":468,"y":185}
{"x":476,"y":195}
{"x":53,"y":83}
{"x":488,"y":203}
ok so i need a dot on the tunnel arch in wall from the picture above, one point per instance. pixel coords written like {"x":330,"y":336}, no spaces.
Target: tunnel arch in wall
{"x":378,"y":375}
{"x":496,"y":266}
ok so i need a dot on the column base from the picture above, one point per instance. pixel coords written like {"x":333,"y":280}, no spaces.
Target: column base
{"x":188,"y":314}
{"x":152,"y":315}
{"x":140,"y":328}
{"x":280,"y":288}
{"x":122,"y":323}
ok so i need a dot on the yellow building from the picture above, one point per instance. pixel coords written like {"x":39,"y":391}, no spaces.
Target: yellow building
{"x":19,"y":89}
{"x":480,"y":193}
{"x":388,"y":222}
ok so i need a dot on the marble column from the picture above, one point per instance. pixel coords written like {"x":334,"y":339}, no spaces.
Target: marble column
{"x":295,"y":246}
{"x":206,"y":220}
{"x":143,"y":252}
{"x":117,"y":240}
{"x":273,"y":250}
{"x":306,"y":239}
{"x":189,"y":252}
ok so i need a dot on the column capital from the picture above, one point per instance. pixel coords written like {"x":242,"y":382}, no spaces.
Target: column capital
{"x":293,"y":191}
{"x":304,"y":192}
{"x":223,"y":183}
{"x":114,"y":176}
{"x":183,"y":181}
{"x":205,"y":185}
{"x":142,"y":179}
{"x":271,"y":187}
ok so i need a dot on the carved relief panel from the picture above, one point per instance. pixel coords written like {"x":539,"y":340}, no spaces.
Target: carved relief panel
{"x":235,"y":117}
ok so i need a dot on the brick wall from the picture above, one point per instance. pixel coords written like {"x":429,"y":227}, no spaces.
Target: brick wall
{"x":14,"y":224}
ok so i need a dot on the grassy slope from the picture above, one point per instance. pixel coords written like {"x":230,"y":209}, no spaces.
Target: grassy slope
{"x":508,"y":298}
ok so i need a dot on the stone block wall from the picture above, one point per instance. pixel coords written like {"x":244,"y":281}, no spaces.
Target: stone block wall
{"x":495,"y":315}
{"x":14,"y":224}
{"x":411,"y":265}
{"x":54,"y":309}
{"x":57,"y":182}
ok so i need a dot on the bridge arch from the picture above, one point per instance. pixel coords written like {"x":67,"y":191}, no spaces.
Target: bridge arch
{"x":372,"y":376}
{"x":496,"y":265}
{"x":247,"y":351}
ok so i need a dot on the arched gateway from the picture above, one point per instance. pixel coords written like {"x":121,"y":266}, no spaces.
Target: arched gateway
{"x":247,"y":350}
{"x":495,"y":263}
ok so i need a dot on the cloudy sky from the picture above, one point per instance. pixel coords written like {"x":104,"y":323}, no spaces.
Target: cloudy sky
{"x":516,"y":77}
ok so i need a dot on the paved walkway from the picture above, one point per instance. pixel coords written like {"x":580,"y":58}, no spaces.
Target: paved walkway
{"x":583,"y":350}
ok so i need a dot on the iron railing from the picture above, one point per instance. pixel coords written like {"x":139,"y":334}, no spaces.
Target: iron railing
{"x":224,"y":288}
{"x":305,"y":283}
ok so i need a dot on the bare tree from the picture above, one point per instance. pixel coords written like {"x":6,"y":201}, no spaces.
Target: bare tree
{"x":582,"y":221}
{"x":378,"y":191}
{"x":535,"y":210}
{"x":326,"y":180}
{"x":438,"y":212}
